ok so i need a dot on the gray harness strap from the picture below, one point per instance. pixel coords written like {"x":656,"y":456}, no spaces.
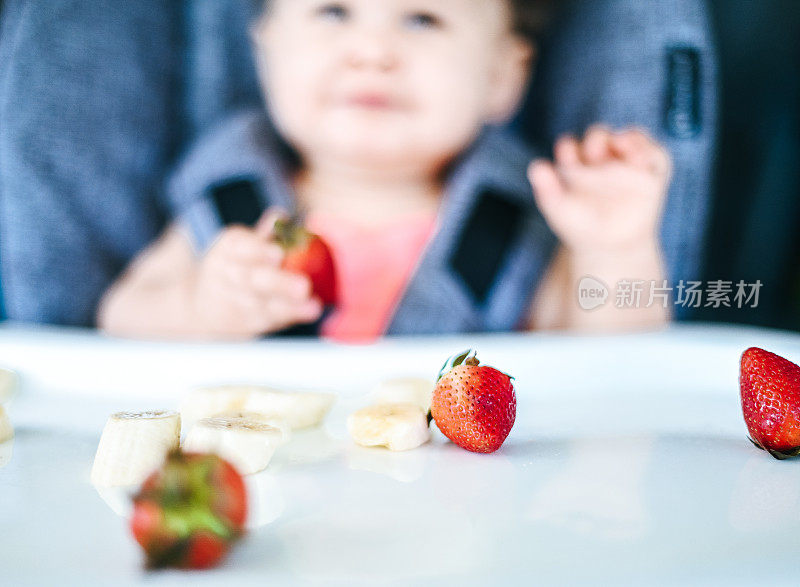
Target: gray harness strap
{"x":492,"y":248}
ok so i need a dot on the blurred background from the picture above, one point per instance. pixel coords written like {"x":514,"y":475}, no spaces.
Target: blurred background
{"x":99,"y":99}
{"x":756,"y":199}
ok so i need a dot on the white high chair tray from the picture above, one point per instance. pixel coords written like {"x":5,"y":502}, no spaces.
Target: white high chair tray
{"x":629,"y":464}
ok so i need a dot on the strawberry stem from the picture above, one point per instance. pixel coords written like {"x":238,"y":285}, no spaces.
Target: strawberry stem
{"x":289,"y":232}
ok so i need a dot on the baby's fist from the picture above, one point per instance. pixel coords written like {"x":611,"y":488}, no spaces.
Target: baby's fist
{"x":240,"y":291}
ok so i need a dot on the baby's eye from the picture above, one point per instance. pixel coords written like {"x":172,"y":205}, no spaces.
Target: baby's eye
{"x":423,"y":21}
{"x":333,"y":12}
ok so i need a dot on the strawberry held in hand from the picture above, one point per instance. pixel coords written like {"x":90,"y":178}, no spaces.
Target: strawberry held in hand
{"x":308,"y":254}
{"x":770,"y":388}
{"x":474,"y":405}
{"x":188,"y":513}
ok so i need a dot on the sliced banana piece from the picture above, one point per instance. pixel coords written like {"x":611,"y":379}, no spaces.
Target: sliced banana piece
{"x":298,"y":409}
{"x":133,"y":445}
{"x":411,"y":390}
{"x":281,"y":425}
{"x":294,"y":409}
{"x":248,"y":445}
{"x":6,"y":430}
{"x":8,"y":384}
{"x":207,"y":402}
{"x":398,"y":426}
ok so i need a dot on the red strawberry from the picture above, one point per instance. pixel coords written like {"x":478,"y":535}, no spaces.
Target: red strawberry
{"x":308,"y":254}
{"x":770,"y":388}
{"x":474,"y":406}
{"x":205,"y":550}
{"x":189,"y":512}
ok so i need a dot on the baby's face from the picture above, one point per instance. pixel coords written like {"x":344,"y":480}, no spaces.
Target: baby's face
{"x":401,"y":83}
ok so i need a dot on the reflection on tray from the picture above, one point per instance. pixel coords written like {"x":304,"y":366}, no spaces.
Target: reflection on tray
{"x":265,"y":499}
{"x":6,"y":452}
{"x":600,"y":490}
{"x":118,"y":499}
{"x":305,"y":447}
{"x":405,"y":467}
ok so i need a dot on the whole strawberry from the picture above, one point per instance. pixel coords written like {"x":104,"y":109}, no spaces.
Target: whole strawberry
{"x":770,"y":389}
{"x":308,"y":254}
{"x":188,"y":513}
{"x":474,"y":405}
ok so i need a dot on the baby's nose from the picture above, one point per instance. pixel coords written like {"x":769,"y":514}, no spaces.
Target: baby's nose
{"x":372,"y":48}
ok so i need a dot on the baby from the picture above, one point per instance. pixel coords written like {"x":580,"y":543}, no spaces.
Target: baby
{"x":381,"y":103}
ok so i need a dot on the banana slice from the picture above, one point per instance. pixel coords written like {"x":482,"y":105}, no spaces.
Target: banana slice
{"x":411,"y":390}
{"x":299,"y":409}
{"x":295,"y":409}
{"x":8,"y":384}
{"x":208,"y":402}
{"x":400,"y":426}
{"x":248,"y":445}
{"x":6,"y":430}
{"x":133,"y":445}
{"x":281,"y":425}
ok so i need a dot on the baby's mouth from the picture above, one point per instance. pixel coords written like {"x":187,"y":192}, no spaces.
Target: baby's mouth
{"x":371,"y":101}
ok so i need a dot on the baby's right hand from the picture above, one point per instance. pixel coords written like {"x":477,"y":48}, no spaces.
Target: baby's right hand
{"x":241,"y":292}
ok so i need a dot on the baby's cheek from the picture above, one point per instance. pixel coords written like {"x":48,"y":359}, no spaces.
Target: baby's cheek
{"x":288,"y":114}
{"x":293,"y":98}
{"x":452,"y":110}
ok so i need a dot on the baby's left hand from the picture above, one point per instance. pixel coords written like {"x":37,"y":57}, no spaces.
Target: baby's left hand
{"x":603,"y":194}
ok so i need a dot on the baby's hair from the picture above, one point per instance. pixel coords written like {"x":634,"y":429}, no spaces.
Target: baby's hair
{"x":530,"y":17}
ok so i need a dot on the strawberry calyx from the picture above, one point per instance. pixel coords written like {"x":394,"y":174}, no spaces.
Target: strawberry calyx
{"x":291,"y":234}
{"x":781,"y":455}
{"x":468,"y":357}
{"x":183,"y":495}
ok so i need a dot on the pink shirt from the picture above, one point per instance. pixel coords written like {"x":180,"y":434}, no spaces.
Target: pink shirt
{"x":373,"y":269}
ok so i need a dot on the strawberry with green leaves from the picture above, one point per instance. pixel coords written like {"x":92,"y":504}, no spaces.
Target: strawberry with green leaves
{"x":770,"y":390}
{"x":189,"y":512}
{"x":474,"y":405}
